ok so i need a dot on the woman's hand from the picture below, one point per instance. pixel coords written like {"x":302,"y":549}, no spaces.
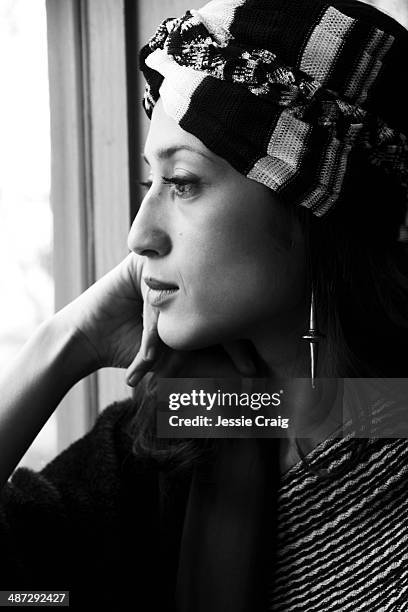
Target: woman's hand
{"x":107,"y":317}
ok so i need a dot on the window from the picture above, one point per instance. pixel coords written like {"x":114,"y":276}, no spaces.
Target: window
{"x":25,"y":213}
{"x":90,"y":176}
{"x":80,"y":201}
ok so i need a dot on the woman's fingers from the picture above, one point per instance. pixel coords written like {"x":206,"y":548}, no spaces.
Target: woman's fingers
{"x":138,"y":368}
{"x":150,"y":337}
{"x":146,"y":355}
{"x":240,"y":354}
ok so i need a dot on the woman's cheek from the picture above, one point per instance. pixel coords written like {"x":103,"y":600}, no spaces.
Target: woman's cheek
{"x":221,"y":305}
{"x":189,"y":326}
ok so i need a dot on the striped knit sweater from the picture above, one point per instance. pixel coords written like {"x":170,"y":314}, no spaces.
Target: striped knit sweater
{"x":343,"y":544}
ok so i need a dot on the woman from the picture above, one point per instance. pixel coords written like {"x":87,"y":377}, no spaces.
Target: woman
{"x":277,"y":188}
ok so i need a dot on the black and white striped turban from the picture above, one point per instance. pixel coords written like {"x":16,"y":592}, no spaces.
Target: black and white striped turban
{"x":286,"y":90}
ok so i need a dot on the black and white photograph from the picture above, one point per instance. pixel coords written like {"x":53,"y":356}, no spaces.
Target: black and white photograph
{"x":204,"y":305}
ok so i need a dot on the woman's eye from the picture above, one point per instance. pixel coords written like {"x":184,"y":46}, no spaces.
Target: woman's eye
{"x":183,"y":188}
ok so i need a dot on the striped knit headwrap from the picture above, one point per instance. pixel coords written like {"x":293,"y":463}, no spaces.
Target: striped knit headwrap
{"x":286,"y":90}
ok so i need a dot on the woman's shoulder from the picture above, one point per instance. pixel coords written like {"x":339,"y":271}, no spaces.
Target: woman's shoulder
{"x":94,"y":466}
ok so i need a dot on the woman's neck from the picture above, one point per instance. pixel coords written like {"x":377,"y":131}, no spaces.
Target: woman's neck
{"x":314,"y":414}
{"x":281,"y":351}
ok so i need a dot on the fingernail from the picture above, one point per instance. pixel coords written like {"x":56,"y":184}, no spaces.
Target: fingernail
{"x":132,"y":380}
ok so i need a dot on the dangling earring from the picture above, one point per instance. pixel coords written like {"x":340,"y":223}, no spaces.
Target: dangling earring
{"x":313,"y":336}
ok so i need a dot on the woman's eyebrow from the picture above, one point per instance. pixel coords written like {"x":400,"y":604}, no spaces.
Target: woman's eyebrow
{"x":167,"y":152}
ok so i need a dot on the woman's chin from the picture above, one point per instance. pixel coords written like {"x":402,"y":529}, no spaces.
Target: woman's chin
{"x":181,"y":336}
{"x":181,"y":341}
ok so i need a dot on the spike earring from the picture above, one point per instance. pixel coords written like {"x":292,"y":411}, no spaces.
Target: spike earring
{"x":313,"y":336}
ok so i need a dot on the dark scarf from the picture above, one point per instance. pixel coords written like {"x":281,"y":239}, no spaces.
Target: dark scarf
{"x":227,"y":546}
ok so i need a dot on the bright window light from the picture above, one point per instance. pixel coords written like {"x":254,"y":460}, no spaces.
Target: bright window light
{"x":27,"y":288}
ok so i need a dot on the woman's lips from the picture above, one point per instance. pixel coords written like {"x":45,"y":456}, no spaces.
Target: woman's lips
{"x":159,"y":291}
{"x":153,"y":283}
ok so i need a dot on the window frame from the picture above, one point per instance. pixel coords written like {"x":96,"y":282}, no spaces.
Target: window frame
{"x":89,"y":174}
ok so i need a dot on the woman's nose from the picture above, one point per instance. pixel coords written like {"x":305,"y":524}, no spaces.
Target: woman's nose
{"x":147,"y":235}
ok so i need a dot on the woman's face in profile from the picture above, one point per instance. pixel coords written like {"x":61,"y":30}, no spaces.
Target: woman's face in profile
{"x":232,"y":250}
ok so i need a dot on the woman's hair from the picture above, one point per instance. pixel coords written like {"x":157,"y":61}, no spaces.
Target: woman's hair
{"x":360,"y":277}
{"x":360,"y":280}
{"x":175,"y":456}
